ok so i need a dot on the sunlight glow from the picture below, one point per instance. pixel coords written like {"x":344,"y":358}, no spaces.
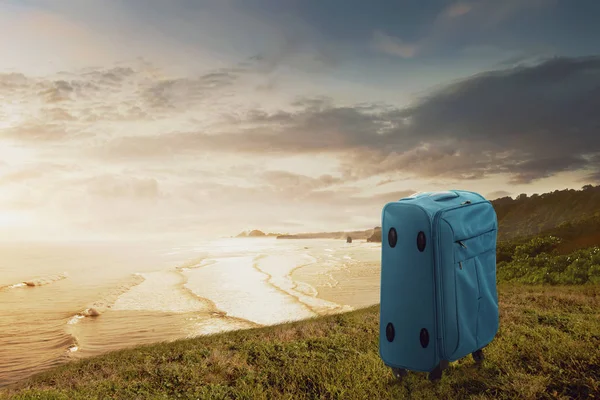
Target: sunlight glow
{"x":13,"y":219}
{"x":10,"y":115}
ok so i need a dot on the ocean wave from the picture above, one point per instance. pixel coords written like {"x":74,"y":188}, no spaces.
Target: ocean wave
{"x":38,"y":281}
{"x":100,"y":306}
{"x":302,"y":292}
{"x":72,"y":345}
{"x":211,"y":308}
{"x":195,"y":263}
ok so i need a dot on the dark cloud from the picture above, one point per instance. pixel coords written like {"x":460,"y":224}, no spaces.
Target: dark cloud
{"x":543,"y":116}
{"x":525,"y":172}
{"x":593,"y":165}
{"x":593,"y":177}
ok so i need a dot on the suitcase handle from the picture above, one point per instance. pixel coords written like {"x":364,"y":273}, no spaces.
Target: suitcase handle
{"x":440,"y":196}
{"x":435,"y":196}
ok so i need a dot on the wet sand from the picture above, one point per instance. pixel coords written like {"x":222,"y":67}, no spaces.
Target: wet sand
{"x":356,"y":285}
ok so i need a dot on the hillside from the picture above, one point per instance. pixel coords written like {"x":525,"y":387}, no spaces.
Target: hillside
{"x":530,"y":215}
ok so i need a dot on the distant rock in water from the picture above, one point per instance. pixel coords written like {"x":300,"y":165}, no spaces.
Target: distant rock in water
{"x":91,"y":312}
{"x":256,"y":233}
{"x":376,"y":236}
{"x":348,"y":239}
{"x":45,"y":280}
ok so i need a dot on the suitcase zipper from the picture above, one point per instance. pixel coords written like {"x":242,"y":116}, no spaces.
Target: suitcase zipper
{"x":461,"y":241}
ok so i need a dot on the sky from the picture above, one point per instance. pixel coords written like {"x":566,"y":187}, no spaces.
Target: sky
{"x":141,"y":119}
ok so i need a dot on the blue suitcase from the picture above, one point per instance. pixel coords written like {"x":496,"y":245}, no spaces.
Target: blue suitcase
{"x":439,"y":301}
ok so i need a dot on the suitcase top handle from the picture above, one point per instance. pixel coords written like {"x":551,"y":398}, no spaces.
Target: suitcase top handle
{"x":436,"y":196}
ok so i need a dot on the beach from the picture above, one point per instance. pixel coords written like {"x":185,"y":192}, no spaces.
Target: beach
{"x":64,"y":302}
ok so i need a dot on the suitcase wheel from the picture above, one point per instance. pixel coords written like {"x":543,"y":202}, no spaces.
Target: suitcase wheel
{"x":436,"y":374}
{"x":399,"y":373}
{"x":478,"y":356}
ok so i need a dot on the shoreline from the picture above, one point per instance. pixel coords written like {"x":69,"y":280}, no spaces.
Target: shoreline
{"x":201,"y":296}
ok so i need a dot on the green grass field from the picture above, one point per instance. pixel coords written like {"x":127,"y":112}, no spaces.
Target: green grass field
{"x":548,"y":346}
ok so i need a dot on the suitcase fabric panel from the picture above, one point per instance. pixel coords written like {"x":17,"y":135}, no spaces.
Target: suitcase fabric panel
{"x":407,"y":291}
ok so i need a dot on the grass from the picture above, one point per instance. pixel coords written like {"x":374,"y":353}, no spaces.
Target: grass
{"x":548,"y":346}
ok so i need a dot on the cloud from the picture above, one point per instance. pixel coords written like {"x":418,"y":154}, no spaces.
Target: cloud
{"x":495,"y":12}
{"x":286,"y":181}
{"x":497,"y":195}
{"x":383,"y":198}
{"x":13,"y":81}
{"x":460,"y":22}
{"x":119,"y":187}
{"x":34,"y":172}
{"x":393,"y":46}
{"x":487,"y":12}
{"x":594,"y":166}
{"x":458,"y":9}
{"x":180,"y":93}
{"x":540,"y":117}
{"x":85,"y":101}
{"x":33,"y":132}
{"x":530,"y":122}
{"x":528,"y":171}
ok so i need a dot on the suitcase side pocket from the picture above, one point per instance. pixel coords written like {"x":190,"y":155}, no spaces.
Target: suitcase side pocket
{"x":488,"y":316}
{"x":475,"y":293}
{"x":467,"y":293}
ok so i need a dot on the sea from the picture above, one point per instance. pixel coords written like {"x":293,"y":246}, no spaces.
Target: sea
{"x":62,"y":302}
